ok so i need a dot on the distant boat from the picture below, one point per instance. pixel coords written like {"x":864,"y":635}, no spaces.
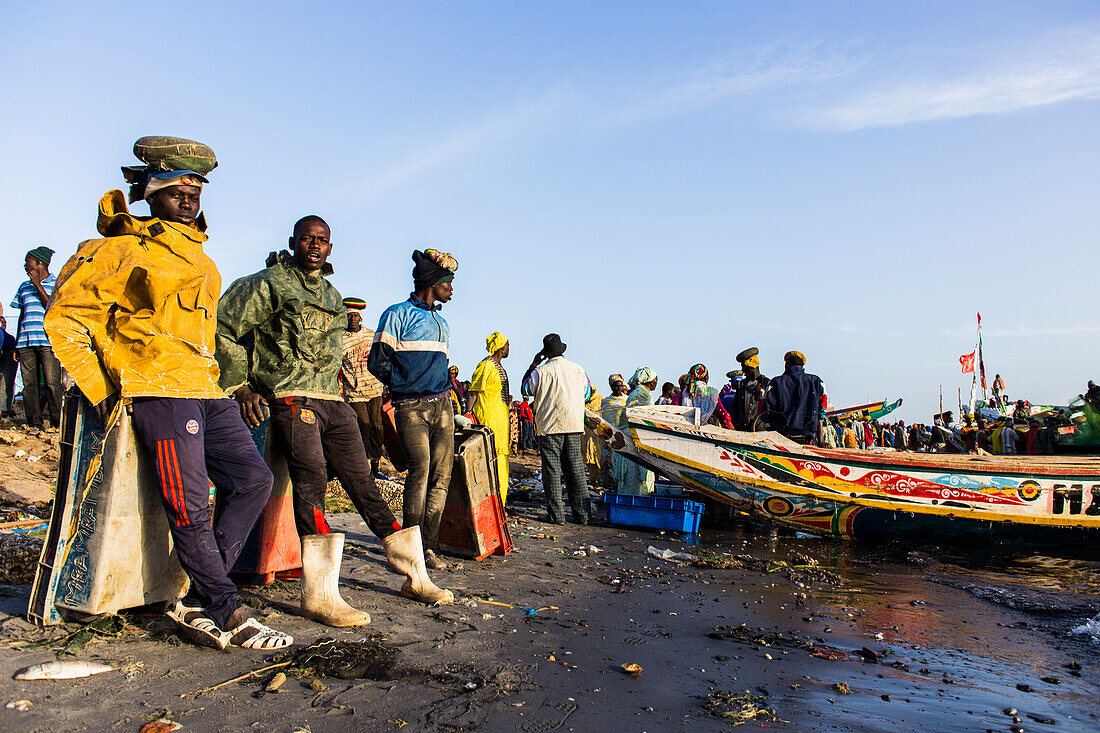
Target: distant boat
{"x":870,"y":411}
{"x":852,"y":493}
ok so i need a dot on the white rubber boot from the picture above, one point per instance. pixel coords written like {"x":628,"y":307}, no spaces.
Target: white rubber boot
{"x":321,"y":601}
{"x":405,"y":551}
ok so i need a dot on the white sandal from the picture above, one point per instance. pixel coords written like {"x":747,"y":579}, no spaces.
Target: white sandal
{"x":264,"y":638}
{"x":200,"y":629}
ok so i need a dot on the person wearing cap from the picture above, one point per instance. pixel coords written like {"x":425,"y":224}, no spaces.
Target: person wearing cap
{"x":795,"y":400}
{"x":132,"y":319}
{"x":32,"y":344}
{"x":361,"y":390}
{"x":559,"y":389}
{"x":491,"y":400}
{"x":280,"y":344}
{"x":410,"y":356}
{"x":748,"y":395}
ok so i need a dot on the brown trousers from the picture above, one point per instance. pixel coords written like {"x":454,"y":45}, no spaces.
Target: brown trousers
{"x":370,"y":417}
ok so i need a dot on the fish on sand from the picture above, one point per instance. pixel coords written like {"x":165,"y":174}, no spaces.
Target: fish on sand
{"x":68,"y":670}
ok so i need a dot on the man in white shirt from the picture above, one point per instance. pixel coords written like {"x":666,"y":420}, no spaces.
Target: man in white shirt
{"x":559,"y":390}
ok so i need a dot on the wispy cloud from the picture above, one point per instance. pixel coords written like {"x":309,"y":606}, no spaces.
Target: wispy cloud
{"x":598,"y":105}
{"x":1058,"y":67}
{"x":987,"y":79}
{"x":464,"y":140}
{"x":731,"y":78}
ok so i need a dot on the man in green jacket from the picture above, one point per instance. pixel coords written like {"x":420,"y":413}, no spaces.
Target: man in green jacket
{"x":279,"y":343}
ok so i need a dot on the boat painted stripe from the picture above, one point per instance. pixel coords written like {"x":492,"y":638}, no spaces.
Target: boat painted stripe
{"x":834,"y":455}
{"x":1069,"y":521}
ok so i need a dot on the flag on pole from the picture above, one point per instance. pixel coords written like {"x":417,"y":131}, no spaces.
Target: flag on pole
{"x":967,"y":361}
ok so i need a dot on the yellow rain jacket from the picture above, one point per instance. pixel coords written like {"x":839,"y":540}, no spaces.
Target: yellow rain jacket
{"x":137,"y":311}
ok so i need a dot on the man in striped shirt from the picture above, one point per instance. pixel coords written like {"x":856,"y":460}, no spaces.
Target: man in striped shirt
{"x":361,"y":390}
{"x":32,"y":347}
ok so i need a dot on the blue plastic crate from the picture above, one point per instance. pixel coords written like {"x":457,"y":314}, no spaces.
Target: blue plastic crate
{"x":655,"y":512}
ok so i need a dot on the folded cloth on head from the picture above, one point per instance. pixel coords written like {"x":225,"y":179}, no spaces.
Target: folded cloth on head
{"x":643,"y":375}
{"x":433,"y":268}
{"x":495,"y":342}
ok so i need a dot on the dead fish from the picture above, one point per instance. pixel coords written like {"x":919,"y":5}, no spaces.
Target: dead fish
{"x":61,"y":670}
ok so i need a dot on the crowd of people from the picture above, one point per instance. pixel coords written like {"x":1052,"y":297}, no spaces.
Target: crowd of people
{"x":138,"y":321}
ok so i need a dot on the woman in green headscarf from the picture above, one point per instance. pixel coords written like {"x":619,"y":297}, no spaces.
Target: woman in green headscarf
{"x":489,"y":387}
{"x":632,"y":478}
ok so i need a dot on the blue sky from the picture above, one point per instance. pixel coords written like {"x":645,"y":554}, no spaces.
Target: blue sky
{"x":660,"y":183}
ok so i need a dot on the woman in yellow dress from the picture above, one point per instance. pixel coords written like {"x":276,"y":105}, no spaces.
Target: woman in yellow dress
{"x":489,"y":386}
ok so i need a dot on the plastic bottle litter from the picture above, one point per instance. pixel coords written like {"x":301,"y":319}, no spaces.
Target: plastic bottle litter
{"x":667,"y":554}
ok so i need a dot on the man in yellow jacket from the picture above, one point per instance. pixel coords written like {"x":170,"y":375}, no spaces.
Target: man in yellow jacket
{"x":133,"y":318}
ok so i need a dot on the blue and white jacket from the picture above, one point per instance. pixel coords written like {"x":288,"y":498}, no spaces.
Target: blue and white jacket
{"x":411,"y":350}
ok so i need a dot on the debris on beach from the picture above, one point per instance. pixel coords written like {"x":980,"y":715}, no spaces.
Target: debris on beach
{"x":368,"y":659}
{"x":18,"y":558}
{"x":739,"y":708}
{"x":667,"y":554}
{"x":160,"y":725}
{"x":68,"y":670}
{"x":20,"y":705}
{"x":631,"y":668}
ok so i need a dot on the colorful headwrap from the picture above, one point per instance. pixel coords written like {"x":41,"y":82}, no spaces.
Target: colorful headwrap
{"x":452,"y":370}
{"x":615,"y":379}
{"x":795,"y":357}
{"x":433,"y":268}
{"x":167,"y":179}
{"x":495,"y":342}
{"x":696,"y":374}
{"x":355,"y":303}
{"x":42,"y":253}
{"x":643,"y":375}
{"x":684,"y":380}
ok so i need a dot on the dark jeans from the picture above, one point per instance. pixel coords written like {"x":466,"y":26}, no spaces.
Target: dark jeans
{"x":526,"y":435}
{"x":564,"y":452}
{"x":369,"y":415}
{"x":8,"y":368}
{"x":30,"y":358}
{"x":426,"y":429}
{"x":191,"y":443}
{"x":316,"y":435}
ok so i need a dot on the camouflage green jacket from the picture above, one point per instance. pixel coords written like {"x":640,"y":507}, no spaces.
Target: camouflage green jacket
{"x":280,"y":331}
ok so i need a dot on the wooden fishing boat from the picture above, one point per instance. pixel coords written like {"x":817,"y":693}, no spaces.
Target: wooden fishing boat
{"x":855,"y":493}
{"x":870,"y":411}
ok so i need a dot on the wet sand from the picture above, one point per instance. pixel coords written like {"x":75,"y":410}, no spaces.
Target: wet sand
{"x":946,"y":658}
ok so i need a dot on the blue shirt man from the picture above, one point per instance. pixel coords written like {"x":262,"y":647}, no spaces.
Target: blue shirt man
{"x":32,"y":345}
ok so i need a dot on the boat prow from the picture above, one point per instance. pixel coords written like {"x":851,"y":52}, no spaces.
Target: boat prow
{"x":850,"y":493}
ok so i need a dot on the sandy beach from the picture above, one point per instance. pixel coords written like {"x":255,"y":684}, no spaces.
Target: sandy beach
{"x":773,"y":631}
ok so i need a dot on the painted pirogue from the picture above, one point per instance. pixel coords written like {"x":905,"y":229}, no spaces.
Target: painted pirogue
{"x":856,"y":493}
